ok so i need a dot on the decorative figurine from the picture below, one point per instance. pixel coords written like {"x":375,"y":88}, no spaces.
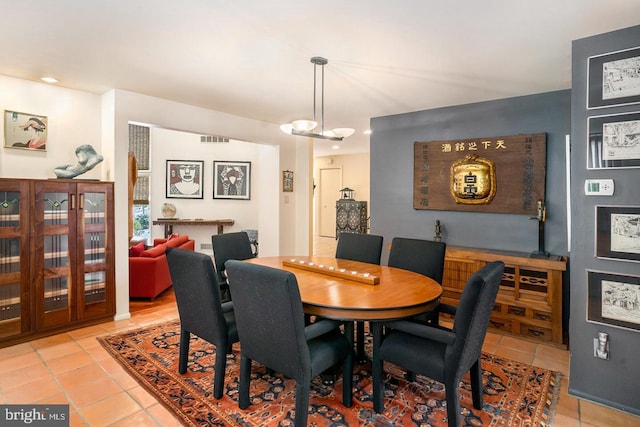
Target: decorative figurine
{"x":438,"y":236}
{"x":87,"y":159}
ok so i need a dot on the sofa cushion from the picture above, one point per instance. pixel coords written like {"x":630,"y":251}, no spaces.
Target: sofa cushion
{"x":154,"y":252}
{"x":136,"y":250}
{"x":174,"y":242}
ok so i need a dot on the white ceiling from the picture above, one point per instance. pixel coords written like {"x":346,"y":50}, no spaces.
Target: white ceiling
{"x":252,"y":57}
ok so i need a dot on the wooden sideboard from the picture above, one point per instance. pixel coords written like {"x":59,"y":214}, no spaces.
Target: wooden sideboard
{"x":529,"y":303}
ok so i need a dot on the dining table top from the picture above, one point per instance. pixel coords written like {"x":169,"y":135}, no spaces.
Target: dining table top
{"x":351,"y":290}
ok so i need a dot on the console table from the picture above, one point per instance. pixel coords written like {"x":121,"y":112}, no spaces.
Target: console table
{"x":169,"y":223}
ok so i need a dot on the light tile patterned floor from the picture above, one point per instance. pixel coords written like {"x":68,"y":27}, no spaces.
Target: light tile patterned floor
{"x":73,"y":368}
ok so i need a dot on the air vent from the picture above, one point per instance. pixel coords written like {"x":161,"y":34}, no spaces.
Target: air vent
{"x":212,"y":139}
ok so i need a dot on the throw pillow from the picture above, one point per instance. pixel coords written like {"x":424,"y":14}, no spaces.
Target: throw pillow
{"x":135,"y":251}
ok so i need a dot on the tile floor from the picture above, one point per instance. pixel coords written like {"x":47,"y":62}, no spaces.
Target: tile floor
{"x":72,"y":368}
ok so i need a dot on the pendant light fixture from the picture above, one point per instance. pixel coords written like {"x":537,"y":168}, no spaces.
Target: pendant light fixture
{"x":307,"y":127}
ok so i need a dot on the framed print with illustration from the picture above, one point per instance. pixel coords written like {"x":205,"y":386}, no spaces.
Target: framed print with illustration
{"x":287,"y":181}
{"x":184,"y":179}
{"x":26,"y":131}
{"x":231,"y":180}
{"x":618,"y":232}
{"x":614,"y":299}
{"x":614,"y":141}
{"x":614,"y":78}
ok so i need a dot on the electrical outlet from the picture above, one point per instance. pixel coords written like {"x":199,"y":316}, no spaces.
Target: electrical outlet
{"x":601,"y":346}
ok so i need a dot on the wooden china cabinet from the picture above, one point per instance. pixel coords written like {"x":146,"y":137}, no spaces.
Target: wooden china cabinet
{"x":56,"y":256}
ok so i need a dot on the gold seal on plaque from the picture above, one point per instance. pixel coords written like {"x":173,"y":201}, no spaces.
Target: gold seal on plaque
{"x":473,"y":180}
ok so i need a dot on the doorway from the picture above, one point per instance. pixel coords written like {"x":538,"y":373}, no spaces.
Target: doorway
{"x":330,"y":185}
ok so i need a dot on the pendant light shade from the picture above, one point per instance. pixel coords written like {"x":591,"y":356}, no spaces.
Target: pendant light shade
{"x":304,"y":127}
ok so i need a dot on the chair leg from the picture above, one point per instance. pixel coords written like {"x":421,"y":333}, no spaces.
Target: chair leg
{"x":219,"y":371}
{"x":453,"y":403}
{"x":476,"y":385}
{"x":245,"y":380}
{"x":347,"y":380}
{"x":183,"y":358}
{"x":303,"y":388}
{"x":377,"y":368}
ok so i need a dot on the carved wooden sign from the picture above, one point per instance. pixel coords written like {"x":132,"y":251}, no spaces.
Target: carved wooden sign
{"x":504,"y":174}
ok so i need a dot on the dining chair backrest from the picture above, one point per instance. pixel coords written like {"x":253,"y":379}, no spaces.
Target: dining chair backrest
{"x":473,"y":313}
{"x":269,"y":317}
{"x":359,"y":247}
{"x":199,"y":303}
{"x":425,"y":257}
{"x":228,"y":246}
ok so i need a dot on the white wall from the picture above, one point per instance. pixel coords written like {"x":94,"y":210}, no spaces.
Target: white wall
{"x":73,"y":119}
{"x":293,"y":153}
{"x":77,"y":117}
{"x":174,"y":145}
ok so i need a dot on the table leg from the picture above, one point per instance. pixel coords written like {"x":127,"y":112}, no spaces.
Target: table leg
{"x":329,"y":376}
{"x":168,"y":230}
{"x":377,"y":367}
{"x":220,"y":228}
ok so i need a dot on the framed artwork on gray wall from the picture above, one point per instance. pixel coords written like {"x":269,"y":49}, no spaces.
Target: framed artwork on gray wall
{"x":231,"y":180}
{"x":613,"y":78}
{"x":614,"y":299}
{"x":614,"y":141}
{"x":618,"y":232}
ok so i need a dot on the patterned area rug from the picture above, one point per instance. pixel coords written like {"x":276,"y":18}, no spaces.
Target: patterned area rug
{"x":515,"y":394}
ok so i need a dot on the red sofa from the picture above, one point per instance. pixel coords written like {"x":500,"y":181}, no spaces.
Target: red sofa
{"x":148,"y":269}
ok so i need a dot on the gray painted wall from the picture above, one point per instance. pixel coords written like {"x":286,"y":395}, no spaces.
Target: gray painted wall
{"x":392,"y":212}
{"x":615,"y":381}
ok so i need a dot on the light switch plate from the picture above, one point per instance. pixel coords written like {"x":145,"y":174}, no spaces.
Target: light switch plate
{"x":598,"y":187}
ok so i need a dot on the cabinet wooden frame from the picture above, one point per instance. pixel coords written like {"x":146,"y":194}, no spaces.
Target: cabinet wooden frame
{"x":529,"y":302}
{"x":67,"y":257}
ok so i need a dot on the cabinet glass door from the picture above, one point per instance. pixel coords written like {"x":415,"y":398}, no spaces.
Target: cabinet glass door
{"x":94,"y":273}
{"x":56,"y":206}
{"x":14,"y":274}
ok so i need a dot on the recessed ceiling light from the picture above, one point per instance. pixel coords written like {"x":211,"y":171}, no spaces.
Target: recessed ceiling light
{"x":335,"y":147}
{"x":368,"y":132}
{"x":49,"y":79}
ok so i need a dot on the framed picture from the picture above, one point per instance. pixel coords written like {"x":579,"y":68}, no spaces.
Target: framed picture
{"x":231,"y":180}
{"x":614,"y":141}
{"x":287,"y":181}
{"x":618,"y":232}
{"x":26,"y":131}
{"x":184,"y":179}
{"x":614,"y":78}
{"x":614,"y":299}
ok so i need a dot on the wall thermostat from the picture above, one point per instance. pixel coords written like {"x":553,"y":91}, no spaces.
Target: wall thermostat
{"x":598,"y":187}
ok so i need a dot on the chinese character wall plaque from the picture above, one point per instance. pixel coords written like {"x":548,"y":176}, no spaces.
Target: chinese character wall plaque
{"x":503,"y":174}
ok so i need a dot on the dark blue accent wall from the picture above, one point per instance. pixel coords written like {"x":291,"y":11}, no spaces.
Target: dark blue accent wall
{"x":392,"y":212}
{"x":616,"y":381}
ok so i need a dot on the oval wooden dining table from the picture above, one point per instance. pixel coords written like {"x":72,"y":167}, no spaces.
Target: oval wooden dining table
{"x":398,"y":293}
{"x":328,"y":293}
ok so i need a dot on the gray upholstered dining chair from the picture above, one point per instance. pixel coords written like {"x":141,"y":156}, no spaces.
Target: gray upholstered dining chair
{"x":437,"y":352}
{"x":363,"y":248}
{"x":229,"y":246}
{"x":200,"y":309}
{"x":272,"y":332}
{"x":425,"y":257}
{"x":359,"y":247}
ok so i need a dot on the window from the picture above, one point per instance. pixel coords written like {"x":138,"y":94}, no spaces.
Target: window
{"x":140,"y":146}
